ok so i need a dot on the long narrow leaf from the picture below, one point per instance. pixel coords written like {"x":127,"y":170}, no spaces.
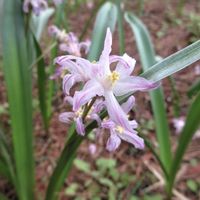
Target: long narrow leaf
{"x":174,"y":63}
{"x":191,"y":125}
{"x":41,"y":77}
{"x":18,"y":84}
{"x":106,"y":17}
{"x":147,"y":56}
{"x":120,"y":27}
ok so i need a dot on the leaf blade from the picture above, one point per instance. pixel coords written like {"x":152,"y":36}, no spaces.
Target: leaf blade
{"x":147,"y":56}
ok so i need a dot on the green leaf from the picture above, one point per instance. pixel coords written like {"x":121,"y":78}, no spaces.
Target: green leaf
{"x":82,"y":165}
{"x":106,"y":163}
{"x":71,"y":190}
{"x":147,"y":55}
{"x":106,"y":17}
{"x":191,"y":125}
{"x":195,"y":88}
{"x":172,"y":63}
{"x":18,"y":84}
{"x":120,"y":27}
{"x":192,"y":185}
{"x":63,"y":166}
{"x":38,"y":23}
{"x":41,"y":79}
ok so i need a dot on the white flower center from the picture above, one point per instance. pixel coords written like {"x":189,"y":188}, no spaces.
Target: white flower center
{"x":113,"y":77}
{"x":119,"y":129}
{"x":79,"y":112}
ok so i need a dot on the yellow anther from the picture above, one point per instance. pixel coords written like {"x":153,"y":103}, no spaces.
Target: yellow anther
{"x":79,"y":112}
{"x":114,"y":76}
{"x":94,"y":61}
{"x":119,"y":129}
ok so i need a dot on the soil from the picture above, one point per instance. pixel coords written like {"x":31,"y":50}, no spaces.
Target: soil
{"x":169,"y":33}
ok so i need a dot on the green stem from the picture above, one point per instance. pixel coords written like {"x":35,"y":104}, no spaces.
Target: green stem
{"x":87,"y":108}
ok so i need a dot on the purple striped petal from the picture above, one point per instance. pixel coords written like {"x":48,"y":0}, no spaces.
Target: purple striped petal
{"x":115,"y":111}
{"x":80,"y":127}
{"x":66,"y":117}
{"x":113,"y":142}
{"x":108,"y":124}
{"x":133,"y":124}
{"x":69,"y":80}
{"x":125,"y":64}
{"x":132,"y":138}
{"x":128,"y":105}
{"x":132,"y":84}
{"x":90,"y":90}
{"x":104,"y":58}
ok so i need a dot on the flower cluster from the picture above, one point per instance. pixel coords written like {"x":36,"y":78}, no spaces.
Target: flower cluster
{"x":37,"y":5}
{"x":102,"y":85}
{"x":68,"y":41}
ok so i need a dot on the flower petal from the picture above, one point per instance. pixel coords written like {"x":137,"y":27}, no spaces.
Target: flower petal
{"x":85,"y":46}
{"x":133,"y":124}
{"x":132,"y":84}
{"x":125,"y":64}
{"x":132,"y":138}
{"x":69,"y":80}
{"x":104,"y":58}
{"x":113,"y":142}
{"x":90,"y":90}
{"x":66,"y":117}
{"x":115,"y":111}
{"x":108,"y":124}
{"x":80,"y":127}
{"x":128,"y":105}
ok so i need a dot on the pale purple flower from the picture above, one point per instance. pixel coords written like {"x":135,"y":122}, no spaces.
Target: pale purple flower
{"x":68,"y":41}
{"x":179,"y":123}
{"x":68,"y":117}
{"x":120,"y":131}
{"x":101,"y":81}
{"x":92,"y":149}
{"x":36,"y":5}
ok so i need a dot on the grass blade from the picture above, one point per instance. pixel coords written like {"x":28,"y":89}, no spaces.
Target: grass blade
{"x":41,"y":79}
{"x":191,"y":125}
{"x":106,"y":17}
{"x":18,"y":84}
{"x":147,"y":56}
{"x":120,"y":27}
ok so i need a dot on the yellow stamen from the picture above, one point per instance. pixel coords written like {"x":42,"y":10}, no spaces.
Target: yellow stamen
{"x":119,"y":129}
{"x":94,"y":61}
{"x":79,"y":112}
{"x":114,"y":76}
